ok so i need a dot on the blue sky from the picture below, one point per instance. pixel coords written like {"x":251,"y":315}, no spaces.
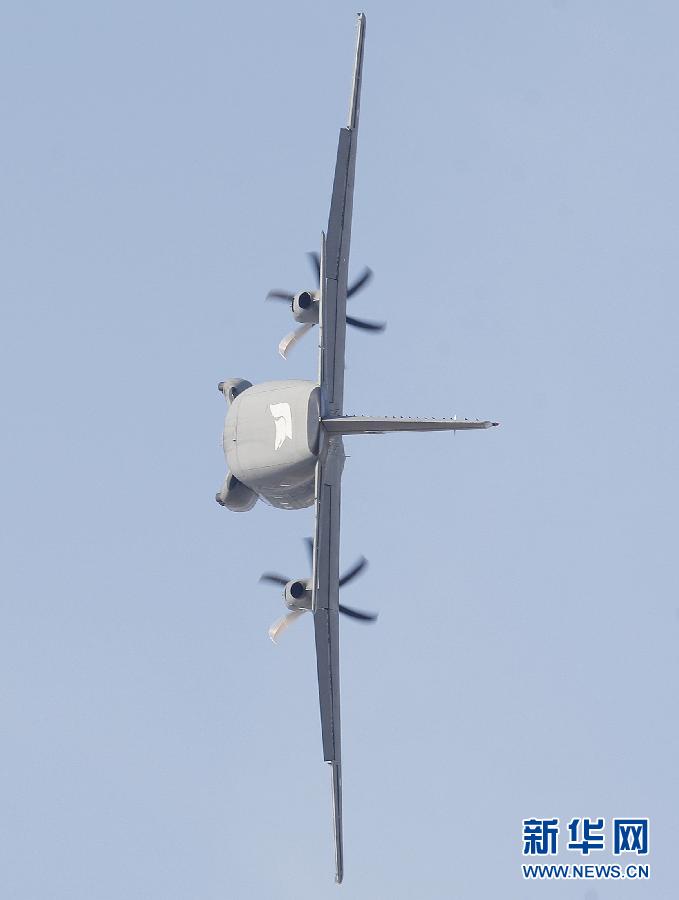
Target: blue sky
{"x":516,"y":195}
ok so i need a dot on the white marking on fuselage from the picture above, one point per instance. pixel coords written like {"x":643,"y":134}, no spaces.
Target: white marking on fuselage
{"x":283,"y":419}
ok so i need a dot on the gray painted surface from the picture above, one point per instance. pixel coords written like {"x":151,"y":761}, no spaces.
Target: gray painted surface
{"x":270,"y":441}
{"x":336,"y":269}
{"x":334,"y":273}
{"x":385,"y":424}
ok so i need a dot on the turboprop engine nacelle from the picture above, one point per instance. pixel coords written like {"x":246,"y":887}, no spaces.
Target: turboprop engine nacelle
{"x":235,"y":495}
{"x":298,"y":594}
{"x":232,"y":387}
{"x":305,"y":307}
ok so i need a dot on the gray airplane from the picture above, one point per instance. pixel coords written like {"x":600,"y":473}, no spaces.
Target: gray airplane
{"x":283,"y":443}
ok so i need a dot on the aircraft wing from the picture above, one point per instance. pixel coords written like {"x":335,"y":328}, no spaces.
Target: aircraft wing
{"x":332,"y":320}
{"x":326,"y":620}
{"x":334,"y":279}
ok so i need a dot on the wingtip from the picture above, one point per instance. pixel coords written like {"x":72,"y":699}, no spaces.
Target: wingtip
{"x":337,"y":820}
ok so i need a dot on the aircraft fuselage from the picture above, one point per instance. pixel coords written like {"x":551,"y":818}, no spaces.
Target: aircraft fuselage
{"x":271,"y":441}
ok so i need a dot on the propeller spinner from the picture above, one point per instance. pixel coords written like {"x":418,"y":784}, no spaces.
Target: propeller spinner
{"x":304,"y":307}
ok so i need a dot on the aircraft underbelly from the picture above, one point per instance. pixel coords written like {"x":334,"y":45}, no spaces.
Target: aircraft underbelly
{"x":271,"y":439}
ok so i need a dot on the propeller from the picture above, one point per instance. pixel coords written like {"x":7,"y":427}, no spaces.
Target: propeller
{"x":279,"y":627}
{"x":293,"y":337}
{"x":275,"y":578}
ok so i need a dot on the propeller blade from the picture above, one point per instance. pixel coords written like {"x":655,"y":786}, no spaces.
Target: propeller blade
{"x":360,"y":282}
{"x":353,"y":571}
{"x":273,"y":578}
{"x":357,"y":614}
{"x":291,"y":339}
{"x":280,"y":295}
{"x":315,"y":261}
{"x":310,"y":550}
{"x":279,"y":627}
{"x":367,"y":326}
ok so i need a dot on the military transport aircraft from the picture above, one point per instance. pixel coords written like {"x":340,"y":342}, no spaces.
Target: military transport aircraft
{"x":283,"y":443}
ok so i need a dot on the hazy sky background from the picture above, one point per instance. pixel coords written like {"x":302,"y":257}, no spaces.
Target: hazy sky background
{"x":164,"y":165}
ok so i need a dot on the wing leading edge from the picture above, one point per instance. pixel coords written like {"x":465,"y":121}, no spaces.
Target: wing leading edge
{"x":332,"y":320}
{"x":333,"y":308}
{"x":326,"y":621}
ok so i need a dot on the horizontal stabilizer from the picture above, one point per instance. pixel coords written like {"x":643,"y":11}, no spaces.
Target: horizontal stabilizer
{"x":385,"y":424}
